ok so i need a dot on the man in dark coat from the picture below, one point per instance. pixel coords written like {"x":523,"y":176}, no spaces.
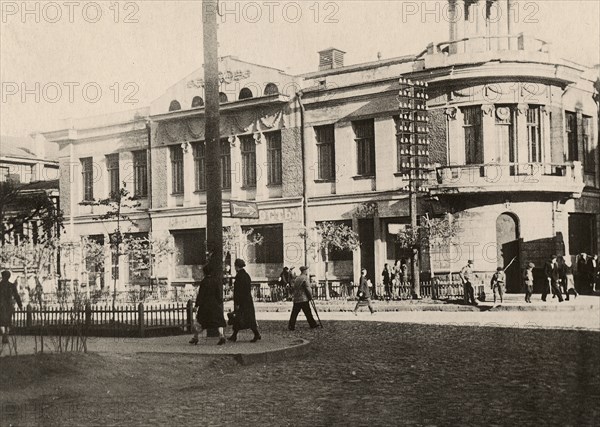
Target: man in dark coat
{"x":209,"y":306}
{"x":363,"y":294}
{"x":552,"y":273}
{"x":302,"y":296}
{"x":8,"y":292}
{"x":245,"y":317}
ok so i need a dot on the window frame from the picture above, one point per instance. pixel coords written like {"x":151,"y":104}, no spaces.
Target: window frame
{"x":87,"y":173}
{"x":176,"y":155}
{"x":274,"y":160}
{"x":248,"y":155}
{"x":325,"y":141}
{"x":473,"y":134}
{"x":114,"y":176}
{"x":199,"y":152}
{"x":140,"y":173}
{"x":365,"y":145}
{"x":534,"y":128}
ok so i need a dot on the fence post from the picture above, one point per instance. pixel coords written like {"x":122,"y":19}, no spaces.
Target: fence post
{"x":141,"y":319}
{"x":88,"y":314}
{"x":29,"y":320}
{"x":190,"y":315}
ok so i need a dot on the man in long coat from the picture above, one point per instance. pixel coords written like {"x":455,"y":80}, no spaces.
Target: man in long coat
{"x":8,"y":292}
{"x":552,"y":273}
{"x":245,"y":317}
{"x":364,"y":293}
{"x":209,"y":306}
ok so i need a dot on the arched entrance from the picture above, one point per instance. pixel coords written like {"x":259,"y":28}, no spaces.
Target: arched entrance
{"x":507,"y":240}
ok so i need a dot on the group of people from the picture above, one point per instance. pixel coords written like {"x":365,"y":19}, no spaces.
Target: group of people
{"x":208,"y":308}
{"x":393,"y":278}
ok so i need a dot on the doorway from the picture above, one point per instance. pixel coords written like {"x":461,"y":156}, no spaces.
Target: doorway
{"x":508,"y":249}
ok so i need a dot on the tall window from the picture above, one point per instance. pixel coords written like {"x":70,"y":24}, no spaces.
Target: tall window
{"x":176,"y":169}
{"x":571,"y":126}
{"x":589,"y":160}
{"x":225,"y":164}
{"x":140,"y":173}
{"x":325,"y":151}
{"x":248,"y":161}
{"x":200,"y":165}
{"x":273,"y":158}
{"x":190,"y":246}
{"x":506,"y":132}
{"x":112,"y":167}
{"x":4,"y":173}
{"x":473,"y":135}
{"x":87,"y":172}
{"x":534,"y":135}
{"x":364,"y":131}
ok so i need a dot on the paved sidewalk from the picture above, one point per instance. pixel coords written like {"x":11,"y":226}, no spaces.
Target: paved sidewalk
{"x":512,"y":302}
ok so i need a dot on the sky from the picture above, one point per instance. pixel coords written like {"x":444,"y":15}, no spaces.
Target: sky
{"x":74,"y":59}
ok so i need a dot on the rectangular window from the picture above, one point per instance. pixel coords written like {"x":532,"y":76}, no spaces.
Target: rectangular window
{"x":270,"y":251}
{"x":337,"y":254}
{"x":248,"y":146}
{"x":572,"y":144}
{"x":325,"y":136}
{"x":112,"y":167}
{"x":589,"y":159}
{"x":87,"y":172}
{"x":176,"y":169}
{"x":273,"y":158}
{"x":364,"y":131}
{"x":472,"y":125}
{"x":190,"y":246}
{"x":534,"y":135}
{"x":200,"y":165}
{"x":94,"y":259}
{"x":506,"y":133}
{"x":140,"y":173}
{"x":225,"y":164}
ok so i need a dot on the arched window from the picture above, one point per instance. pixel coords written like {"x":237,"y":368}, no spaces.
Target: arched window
{"x":197,"y":101}
{"x":223,"y":97}
{"x":245,"y":93}
{"x":271,"y":89}
{"x":174,"y":106}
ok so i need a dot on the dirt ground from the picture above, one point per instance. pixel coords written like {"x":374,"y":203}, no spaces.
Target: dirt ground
{"x":359,"y":373}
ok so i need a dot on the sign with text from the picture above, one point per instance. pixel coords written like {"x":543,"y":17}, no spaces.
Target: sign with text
{"x":240,"y":209}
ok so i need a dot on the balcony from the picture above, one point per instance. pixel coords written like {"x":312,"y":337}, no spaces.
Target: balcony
{"x":566,"y":178}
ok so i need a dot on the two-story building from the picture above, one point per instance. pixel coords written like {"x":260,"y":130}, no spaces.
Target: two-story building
{"x":513,"y":131}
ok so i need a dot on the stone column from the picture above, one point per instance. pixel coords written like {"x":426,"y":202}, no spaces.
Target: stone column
{"x":545,"y":139}
{"x":261,"y":166}
{"x":453,"y":19}
{"x":510,"y":20}
{"x":356,"y":256}
{"x":189,"y":176}
{"x":460,"y":25}
{"x":236,"y":167}
{"x":490,"y":149}
{"x":522,"y":149}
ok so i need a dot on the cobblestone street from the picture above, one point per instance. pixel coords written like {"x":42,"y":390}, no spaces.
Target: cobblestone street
{"x":358,"y":373}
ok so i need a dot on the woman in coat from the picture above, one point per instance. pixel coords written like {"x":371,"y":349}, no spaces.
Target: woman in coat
{"x":209,"y":306}
{"x":8,"y":293}
{"x":243,"y":304}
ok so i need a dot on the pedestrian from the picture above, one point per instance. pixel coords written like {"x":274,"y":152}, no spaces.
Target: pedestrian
{"x":596,"y":274}
{"x":582,"y":272}
{"x":364,"y":293}
{"x":498,"y":284}
{"x":302,"y":297}
{"x":466,"y":275}
{"x":387,"y":281}
{"x":209,"y":306}
{"x":528,"y":281}
{"x":552,"y":273}
{"x":8,"y":292}
{"x":568,"y":281}
{"x":592,"y":271}
{"x":243,"y":305}
{"x":284,"y":281}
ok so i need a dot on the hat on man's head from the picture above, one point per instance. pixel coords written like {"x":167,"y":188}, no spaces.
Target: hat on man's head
{"x":470,"y":261}
{"x":303,"y":268}
{"x":499,"y":269}
{"x":531,"y":265}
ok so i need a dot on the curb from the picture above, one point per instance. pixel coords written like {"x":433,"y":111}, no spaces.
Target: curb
{"x":300,"y":349}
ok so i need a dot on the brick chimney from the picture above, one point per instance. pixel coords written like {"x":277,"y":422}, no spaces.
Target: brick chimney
{"x":331,"y":58}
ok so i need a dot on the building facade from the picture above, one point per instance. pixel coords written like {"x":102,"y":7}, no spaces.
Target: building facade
{"x":513,"y":133}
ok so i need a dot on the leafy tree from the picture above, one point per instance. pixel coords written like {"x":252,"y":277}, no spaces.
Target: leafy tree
{"x":21,"y":204}
{"x":118,"y":204}
{"x":235,"y":239}
{"x":331,"y":236}
{"x":145,"y":253}
{"x":430,"y":233}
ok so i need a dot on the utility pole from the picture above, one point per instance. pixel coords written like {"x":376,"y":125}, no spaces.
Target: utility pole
{"x":413,"y":157}
{"x":214,"y":202}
